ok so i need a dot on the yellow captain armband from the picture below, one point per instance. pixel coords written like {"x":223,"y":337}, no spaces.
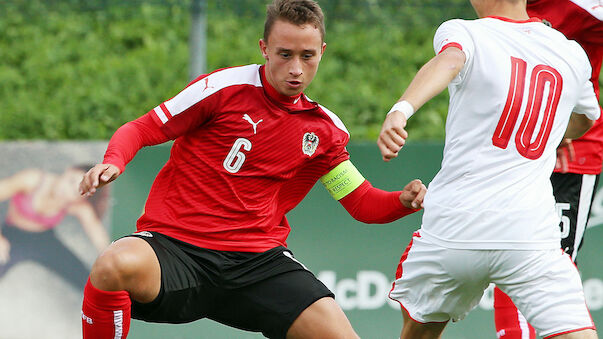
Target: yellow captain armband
{"x":342,"y":180}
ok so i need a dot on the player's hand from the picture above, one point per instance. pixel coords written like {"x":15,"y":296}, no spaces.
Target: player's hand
{"x":565,"y":155}
{"x":4,"y":250}
{"x":392,"y":136}
{"x":97,"y":177}
{"x":412,"y":195}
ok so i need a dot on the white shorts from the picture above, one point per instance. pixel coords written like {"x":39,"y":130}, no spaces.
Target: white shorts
{"x":437,"y":284}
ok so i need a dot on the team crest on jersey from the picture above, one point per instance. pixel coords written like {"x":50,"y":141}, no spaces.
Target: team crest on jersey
{"x":309,"y":143}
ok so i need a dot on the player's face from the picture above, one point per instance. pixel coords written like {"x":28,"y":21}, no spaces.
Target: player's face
{"x":292,"y":56}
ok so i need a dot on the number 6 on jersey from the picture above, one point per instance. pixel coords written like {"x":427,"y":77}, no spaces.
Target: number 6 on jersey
{"x":235,"y":158}
{"x":545,"y":82}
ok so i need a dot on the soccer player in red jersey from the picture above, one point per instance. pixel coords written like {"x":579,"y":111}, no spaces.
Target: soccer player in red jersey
{"x":248,"y":147}
{"x":578,"y":161}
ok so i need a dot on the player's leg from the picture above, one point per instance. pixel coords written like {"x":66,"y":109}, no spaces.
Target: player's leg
{"x":128,"y":268}
{"x":584,"y":334}
{"x":323,"y":319}
{"x":545,"y":286}
{"x":273,"y":293}
{"x":435,"y":284}
{"x":414,"y":329}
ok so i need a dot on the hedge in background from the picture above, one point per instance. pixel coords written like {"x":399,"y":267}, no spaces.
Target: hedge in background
{"x":68,"y":71}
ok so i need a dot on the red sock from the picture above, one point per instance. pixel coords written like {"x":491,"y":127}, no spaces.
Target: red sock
{"x":509,"y":322}
{"x":105,"y":315}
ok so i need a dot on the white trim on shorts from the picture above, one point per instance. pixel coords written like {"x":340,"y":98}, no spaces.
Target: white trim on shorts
{"x":586,"y":194}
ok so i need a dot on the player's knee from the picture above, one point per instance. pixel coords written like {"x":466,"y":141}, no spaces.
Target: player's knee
{"x":115,"y":266}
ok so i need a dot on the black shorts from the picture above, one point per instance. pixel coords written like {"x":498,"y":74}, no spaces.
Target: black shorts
{"x":574,"y":194}
{"x":260,"y":292}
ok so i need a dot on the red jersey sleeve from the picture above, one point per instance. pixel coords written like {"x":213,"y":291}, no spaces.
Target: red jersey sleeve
{"x":131,"y":137}
{"x":196,"y":104}
{"x":374,"y":206}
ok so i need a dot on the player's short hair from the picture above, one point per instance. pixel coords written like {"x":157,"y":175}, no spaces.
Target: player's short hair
{"x":298,"y":12}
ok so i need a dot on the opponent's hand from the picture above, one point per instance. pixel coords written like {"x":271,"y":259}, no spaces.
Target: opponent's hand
{"x":97,"y":177}
{"x":565,"y":154}
{"x":412,"y":195}
{"x":4,"y":250}
{"x":392,"y":136}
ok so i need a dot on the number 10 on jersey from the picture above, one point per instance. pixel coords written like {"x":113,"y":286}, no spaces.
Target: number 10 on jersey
{"x":545,"y":89}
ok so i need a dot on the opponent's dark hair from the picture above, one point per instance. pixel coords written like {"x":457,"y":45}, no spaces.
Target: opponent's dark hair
{"x":297,"y":12}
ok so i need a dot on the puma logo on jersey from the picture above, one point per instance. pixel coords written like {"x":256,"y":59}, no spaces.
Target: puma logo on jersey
{"x":206,"y":80}
{"x":254,"y":124}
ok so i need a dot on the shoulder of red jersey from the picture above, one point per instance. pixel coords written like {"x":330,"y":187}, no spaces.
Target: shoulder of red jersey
{"x":205,"y":86}
{"x":334,"y":118}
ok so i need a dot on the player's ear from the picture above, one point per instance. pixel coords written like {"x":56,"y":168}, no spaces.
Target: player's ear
{"x":264,"y":49}
{"x":324,"y":46}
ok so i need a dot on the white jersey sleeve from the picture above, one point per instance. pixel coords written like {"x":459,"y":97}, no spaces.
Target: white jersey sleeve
{"x":587,"y":103}
{"x":453,"y":34}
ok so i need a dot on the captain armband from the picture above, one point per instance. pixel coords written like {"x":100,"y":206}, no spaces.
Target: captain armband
{"x":342,"y":180}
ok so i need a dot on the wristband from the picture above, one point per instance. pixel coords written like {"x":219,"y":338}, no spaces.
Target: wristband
{"x":403,"y":106}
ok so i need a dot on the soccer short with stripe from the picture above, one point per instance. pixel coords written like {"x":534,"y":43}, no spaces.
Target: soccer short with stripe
{"x":437,"y":284}
{"x":574,"y":194}
{"x":260,"y":292}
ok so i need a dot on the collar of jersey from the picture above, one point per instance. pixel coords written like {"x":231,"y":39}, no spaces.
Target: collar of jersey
{"x":514,"y":21}
{"x":297,"y":103}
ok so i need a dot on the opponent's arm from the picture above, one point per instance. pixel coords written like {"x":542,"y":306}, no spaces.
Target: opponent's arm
{"x":577,"y":126}
{"x":368,"y":204}
{"x":122,"y":148}
{"x":431,"y":79}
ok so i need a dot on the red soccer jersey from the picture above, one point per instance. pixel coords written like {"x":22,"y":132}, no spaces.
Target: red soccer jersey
{"x":580,"y":21}
{"x":243,"y":156}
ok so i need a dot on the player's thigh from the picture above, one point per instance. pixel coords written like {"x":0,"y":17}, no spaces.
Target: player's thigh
{"x":128,"y":264}
{"x":584,"y":334}
{"x":546,"y":287}
{"x":416,"y":330}
{"x":436,"y":284}
{"x":271,"y":305}
{"x":323,"y":319}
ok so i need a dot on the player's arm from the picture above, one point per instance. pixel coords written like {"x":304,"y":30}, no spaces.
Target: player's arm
{"x":431,"y":79}
{"x":122,"y":148}
{"x":368,"y":204}
{"x":577,"y":126}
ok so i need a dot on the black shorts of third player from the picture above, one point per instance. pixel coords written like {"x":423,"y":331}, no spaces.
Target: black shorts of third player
{"x":260,"y":292}
{"x":574,"y":194}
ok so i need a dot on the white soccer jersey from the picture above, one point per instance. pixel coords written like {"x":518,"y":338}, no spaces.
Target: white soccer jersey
{"x":509,"y":109}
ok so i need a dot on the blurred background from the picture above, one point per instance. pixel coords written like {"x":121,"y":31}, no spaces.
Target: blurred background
{"x":73,"y":71}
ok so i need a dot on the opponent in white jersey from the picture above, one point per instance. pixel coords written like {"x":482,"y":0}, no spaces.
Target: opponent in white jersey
{"x":489,"y":212}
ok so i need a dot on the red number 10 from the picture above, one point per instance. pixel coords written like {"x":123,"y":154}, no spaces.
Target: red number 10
{"x":541,"y":76}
